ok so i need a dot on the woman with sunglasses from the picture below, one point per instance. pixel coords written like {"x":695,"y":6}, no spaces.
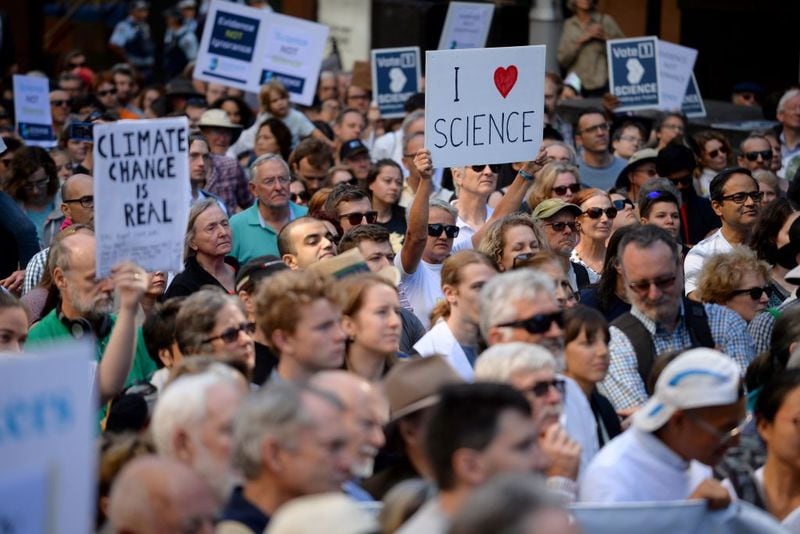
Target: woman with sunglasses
{"x":511,"y":238}
{"x":32,"y":180}
{"x":105,"y":91}
{"x":595,"y":229}
{"x":298,"y":192}
{"x":371,"y":319}
{"x":587,"y":359}
{"x":555,"y":180}
{"x":384,"y":185}
{"x":714,"y":154}
{"x":770,"y":241}
{"x":455,"y":318}
{"x":737,"y":280}
{"x":626,"y":209}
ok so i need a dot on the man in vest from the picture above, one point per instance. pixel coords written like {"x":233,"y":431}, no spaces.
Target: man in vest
{"x":660,"y":319}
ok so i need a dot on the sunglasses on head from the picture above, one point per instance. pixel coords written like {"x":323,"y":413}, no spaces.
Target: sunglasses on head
{"x":753,"y":156}
{"x":495,"y":168}
{"x":653,"y":195}
{"x":538,"y":324}
{"x":596,"y":213}
{"x":356,"y":218}
{"x":562,"y":189}
{"x":620,"y":204}
{"x":229,"y":335}
{"x":714,"y":153}
{"x":540,"y":389}
{"x":450,"y":230}
{"x":754,"y":292}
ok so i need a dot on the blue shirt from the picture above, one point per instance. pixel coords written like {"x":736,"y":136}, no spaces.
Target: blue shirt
{"x":253,"y":237}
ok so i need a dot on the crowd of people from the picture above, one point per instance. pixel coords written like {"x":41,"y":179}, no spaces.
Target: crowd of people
{"x":361,"y":340}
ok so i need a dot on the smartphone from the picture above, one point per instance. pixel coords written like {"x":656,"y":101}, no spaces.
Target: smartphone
{"x":81,"y":131}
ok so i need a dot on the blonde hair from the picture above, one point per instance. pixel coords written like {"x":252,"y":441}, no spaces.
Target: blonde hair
{"x":265,"y":94}
{"x":722,"y":273}
{"x":494,"y":240}
{"x":452,"y":269}
{"x":542,"y":187}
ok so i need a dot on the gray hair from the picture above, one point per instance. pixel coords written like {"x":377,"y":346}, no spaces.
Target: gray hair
{"x":753,"y":135}
{"x":444,"y":206}
{"x":194,"y":213}
{"x":410,"y":119}
{"x":788,"y":95}
{"x":499,"y":362}
{"x":327,"y":75}
{"x":407,"y":140}
{"x":573,"y":156}
{"x":197,"y":318}
{"x":501,"y":291}
{"x":263,"y":158}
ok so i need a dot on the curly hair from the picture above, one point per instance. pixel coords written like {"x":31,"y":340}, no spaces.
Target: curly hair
{"x":542,"y":187}
{"x":722,"y":273}
{"x":494,"y":240}
{"x":25,"y":162}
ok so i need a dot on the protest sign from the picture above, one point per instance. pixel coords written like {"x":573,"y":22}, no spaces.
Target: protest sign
{"x":229,"y":51}
{"x":693,"y":105}
{"x":466,"y":25}
{"x":47,"y":451}
{"x":395,"y":77}
{"x":484,"y":105}
{"x":350,"y":22}
{"x":675,"y":64}
{"x":633,"y":72}
{"x":32,"y":110}
{"x":293,"y":55}
{"x":142,"y":193}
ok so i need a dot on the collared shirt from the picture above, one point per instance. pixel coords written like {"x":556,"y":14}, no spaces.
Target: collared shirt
{"x":35,"y":270}
{"x":623,"y":385}
{"x":228,"y":182}
{"x":697,"y":256}
{"x":763,"y":324}
{"x":253,"y":237}
{"x":465,"y":232}
{"x":636,"y":466}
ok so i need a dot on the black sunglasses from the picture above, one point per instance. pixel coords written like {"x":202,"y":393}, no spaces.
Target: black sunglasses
{"x":356,"y":218}
{"x":741,"y":197}
{"x":450,"y":230}
{"x":661,"y":283}
{"x":755,"y":292}
{"x":85,"y":202}
{"x":59,"y":103}
{"x":107,"y":92}
{"x":714,"y":153}
{"x":495,"y":168}
{"x":302,"y":196}
{"x":560,"y":226}
{"x":562,"y":189}
{"x":232,"y":334}
{"x":596,"y":213}
{"x":620,"y":204}
{"x":766,"y":155}
{"x":540,"y":389}
{"x":683,"y":180}
{"x":538,"y":324}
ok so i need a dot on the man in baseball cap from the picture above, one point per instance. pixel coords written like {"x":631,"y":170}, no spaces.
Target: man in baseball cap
{"x":557,"y":220}
{"x":695,"y":414}
{"x":355,"y":155}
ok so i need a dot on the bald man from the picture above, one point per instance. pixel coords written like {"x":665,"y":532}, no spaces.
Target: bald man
{"x":366,"y":413}
{"x":156,"y":495}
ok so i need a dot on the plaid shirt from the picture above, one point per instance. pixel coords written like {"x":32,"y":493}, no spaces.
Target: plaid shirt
{"x":623,"y":385}
{"x":228,"y":182}
{"x":761,"y":326}
{"x":35,"y":270}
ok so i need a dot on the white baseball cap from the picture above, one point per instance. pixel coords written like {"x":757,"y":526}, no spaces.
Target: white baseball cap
{"x":696,"y":379}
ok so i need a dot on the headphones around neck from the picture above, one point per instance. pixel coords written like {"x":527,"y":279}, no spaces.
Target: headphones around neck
{"x":80,"y":327}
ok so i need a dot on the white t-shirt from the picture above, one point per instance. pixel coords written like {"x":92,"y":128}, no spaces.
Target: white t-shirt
{"x":693,"y":264}
{"x":440,"y":340}
{"x":465,"y":233}
{"x":580,"y":424}
{"x":423,"y":287}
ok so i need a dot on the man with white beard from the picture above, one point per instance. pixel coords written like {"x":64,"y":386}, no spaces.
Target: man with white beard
{"x":366,"y":413}
{"x":193,"y":421}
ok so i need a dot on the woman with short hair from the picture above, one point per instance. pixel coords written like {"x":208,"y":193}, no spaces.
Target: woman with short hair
{"x":736,"y":280}
{"x":512,"y":238}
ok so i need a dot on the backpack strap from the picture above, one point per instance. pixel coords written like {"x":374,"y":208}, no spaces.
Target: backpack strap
{"x":697,"y":324}
{"x":641,"y":340}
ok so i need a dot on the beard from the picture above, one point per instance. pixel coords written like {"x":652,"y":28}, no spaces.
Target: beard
{"x":364,"y":464}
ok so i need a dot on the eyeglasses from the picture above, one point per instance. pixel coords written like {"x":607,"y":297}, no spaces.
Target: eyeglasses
{"x":562,"y":189}
{"x":38,"y":184}
{"x":540,"y":389}
{"x":282,"y":180}
{"x":631,"y":139}
{"x":662,"y":284}
{"x":59,"y":103}
{"x":620,"y":204}
{"x":538,"y":324}
{"x":85,"y":202}
{"x":495,"y":168}
{"x":560,"y":226}
{"x":602,"y":127}
{"x":450,"y":230}
{"x":753,"y":156}
{"x":229,"y":335}
{"x":299,"y":197}
{"x":755,"y":292}
{"x":356,"y":218}
{"x":107,"y":92}
{"x":596,"y":213}
{"x":742,"y":196}
{"x":723,"y":437}
{"x":714,"y":153}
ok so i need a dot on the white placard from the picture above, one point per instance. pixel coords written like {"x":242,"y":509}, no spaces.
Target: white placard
{"x":34,"y":122}
{"x":350,"y":23}
{"x":293,"y":55}
{"x":47,"y":451}
{"x":675,"y":65}
{"x":466,"y":25}
{"x":484,"y":105}
{"x":232,"y":45}
{"x":141,"y":187}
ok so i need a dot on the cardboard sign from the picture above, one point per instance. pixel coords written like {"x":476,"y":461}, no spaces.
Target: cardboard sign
{"x":484,"y":105}
{"x":633,"y":72}
{"x":232,"y":38}
{"x":693,"y":105}
{"x":675,"y":64}
{"x":395,"y":77}
{"x":47,"y":450}
{"x":466,"y":25}
{"x":32,"y":110}
{"x":141,"y":184}
{"x":293,"y":55}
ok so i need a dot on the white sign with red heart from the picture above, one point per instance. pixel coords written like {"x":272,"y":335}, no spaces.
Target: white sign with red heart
{"x":484,"y":105}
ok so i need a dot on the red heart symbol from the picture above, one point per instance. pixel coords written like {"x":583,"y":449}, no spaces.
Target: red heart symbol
{"x":504,"y":79}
